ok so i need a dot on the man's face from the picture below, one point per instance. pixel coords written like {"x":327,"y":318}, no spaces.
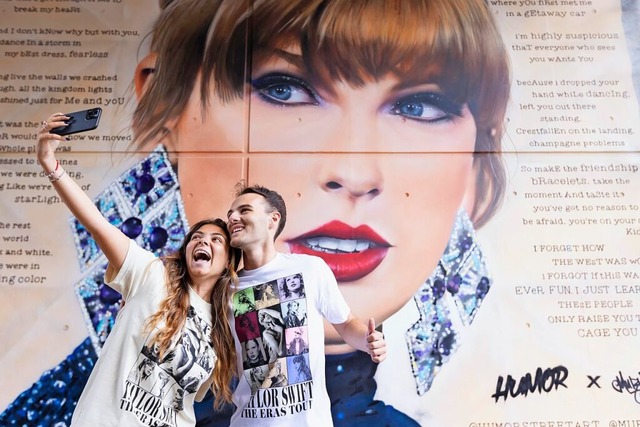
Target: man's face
{"x":249,"y":223}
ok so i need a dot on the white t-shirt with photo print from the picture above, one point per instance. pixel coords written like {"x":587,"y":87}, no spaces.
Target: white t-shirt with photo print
{"x":289,"y":389}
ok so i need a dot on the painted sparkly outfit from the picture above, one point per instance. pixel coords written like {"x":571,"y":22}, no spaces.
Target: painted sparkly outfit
{"x":447,"y":302}
{"x":145,"y":203}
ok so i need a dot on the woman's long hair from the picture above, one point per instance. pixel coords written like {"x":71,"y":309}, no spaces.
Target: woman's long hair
{"x":172,"y":313}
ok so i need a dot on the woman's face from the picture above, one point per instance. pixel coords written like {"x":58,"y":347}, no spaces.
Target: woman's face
{"x":268,"y":291}
{"x":207,"y":253}
{"x":293,"y":307}
{"x":259,"y":374}
{"x":372,"y":176}
{"x":293,"y":284}
{"x":266,"y":320}
{"x":147,"y":369}
{"x":253,"y":352}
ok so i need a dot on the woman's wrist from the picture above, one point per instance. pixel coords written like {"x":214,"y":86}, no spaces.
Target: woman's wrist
{"x":49,"y":165}
{"x":56,"y":173}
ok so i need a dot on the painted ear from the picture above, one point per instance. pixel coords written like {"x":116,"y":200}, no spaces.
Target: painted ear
{"x":144,"y":73}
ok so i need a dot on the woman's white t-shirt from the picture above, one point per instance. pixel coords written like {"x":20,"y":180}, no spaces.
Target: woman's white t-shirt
{"x":130,"y":386}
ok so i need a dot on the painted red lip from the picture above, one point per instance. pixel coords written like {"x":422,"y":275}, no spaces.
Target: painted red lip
{"x":346,"y":266}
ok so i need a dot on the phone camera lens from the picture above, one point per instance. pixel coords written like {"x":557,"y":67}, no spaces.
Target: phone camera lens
{"x":92,"y":114}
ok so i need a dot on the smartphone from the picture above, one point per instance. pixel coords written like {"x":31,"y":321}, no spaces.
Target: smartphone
{"x":80,"y":121}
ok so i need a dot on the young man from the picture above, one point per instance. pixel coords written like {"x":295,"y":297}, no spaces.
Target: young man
{"x":256,"y":218}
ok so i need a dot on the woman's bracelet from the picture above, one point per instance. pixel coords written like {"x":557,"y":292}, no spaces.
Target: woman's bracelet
{"x":55,"y":178}
{"x":53,"y":172}
{"x":54,"y":175}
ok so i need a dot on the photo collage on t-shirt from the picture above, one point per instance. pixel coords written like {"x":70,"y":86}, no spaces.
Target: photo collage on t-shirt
{"x":271,"y":324}
{"x":167,"y":381}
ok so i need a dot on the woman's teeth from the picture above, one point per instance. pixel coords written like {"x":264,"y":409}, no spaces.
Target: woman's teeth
{"x":332,"y":245}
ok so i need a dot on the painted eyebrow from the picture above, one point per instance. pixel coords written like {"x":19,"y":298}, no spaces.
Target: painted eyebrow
{"x":297,"y":61}
{"x":291,"y":58}
{"x":266,"y":54}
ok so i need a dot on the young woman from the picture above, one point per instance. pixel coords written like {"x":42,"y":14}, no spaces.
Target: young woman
{"x":171,"y":342}
{"x":390,"y":117}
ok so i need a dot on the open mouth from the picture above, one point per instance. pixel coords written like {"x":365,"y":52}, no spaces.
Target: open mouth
{"x":201,"y":255}
{"x":350,"y":252}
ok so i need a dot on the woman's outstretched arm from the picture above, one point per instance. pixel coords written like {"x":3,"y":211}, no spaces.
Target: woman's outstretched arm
{"x":113,"y":243}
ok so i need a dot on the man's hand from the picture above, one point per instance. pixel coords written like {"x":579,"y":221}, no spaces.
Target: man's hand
{"x":376,"y":344}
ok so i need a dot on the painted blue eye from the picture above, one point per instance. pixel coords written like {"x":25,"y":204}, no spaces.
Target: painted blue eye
{"x":289,"y":94}
{"x":280,"y":92}
{"x":426,"y":107}
{"x":411,"y":109}
{"x":420,"y":111}
{"x":283,"y":89}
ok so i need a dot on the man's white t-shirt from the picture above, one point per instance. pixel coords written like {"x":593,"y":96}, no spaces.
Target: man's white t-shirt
{"x":130,"y":386}
{"x":280,"y":307}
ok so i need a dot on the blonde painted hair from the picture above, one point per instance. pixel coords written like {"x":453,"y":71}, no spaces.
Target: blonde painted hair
{"x":453,"y":43}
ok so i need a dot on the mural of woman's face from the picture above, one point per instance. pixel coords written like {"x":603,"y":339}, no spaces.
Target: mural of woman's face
{"x":372,"y":175}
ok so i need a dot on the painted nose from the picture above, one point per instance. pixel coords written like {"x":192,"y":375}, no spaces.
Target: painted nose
{"x":355,"y":173}
{"x":355,"y":177}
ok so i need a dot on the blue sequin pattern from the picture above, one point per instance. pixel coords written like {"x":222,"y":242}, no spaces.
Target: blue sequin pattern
{"x":447,"y":302}
{"x":51,"y":400}
{"x":126,"y":201}
{"x":145,"y":204}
